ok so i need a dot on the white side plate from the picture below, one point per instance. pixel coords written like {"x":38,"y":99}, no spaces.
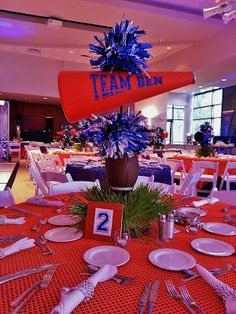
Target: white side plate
{"x":212,"y":247}
{"x":106,"y":254}
{"x":171,"y":259}
{"x":63,"y":234}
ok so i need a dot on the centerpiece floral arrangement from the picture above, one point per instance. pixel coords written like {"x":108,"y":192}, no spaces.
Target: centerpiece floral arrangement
{"x":157,"y":138}
{"x":141,"y":206}
{"x":204,"y":137}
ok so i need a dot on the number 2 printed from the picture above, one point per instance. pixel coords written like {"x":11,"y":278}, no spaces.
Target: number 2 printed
{"x":103,"y":220}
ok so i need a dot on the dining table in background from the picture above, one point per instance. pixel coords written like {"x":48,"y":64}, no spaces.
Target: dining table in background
{"x":188,"y":161}
{"x":71,"y":153}
{"x":110,"y":297}
{"x":81,"y":172}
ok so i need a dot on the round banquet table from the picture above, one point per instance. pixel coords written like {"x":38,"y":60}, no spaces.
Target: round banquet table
{"x":109,"y":297}
{"x":81,"y":173}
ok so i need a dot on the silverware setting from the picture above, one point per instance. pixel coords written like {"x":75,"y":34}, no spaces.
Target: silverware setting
{"x":26,"y":295}
{"x":177,"y":296}
{"x":26,"y":272}
{"x":39,"y":224}
{"x":229,"y":220}
{"x":149,"y":297}
{"x":215,"y":271}
{"x":117,"y":278}
{"x":189,"y":300}
{"x":4,"y":239}
{"x":41,"y":242}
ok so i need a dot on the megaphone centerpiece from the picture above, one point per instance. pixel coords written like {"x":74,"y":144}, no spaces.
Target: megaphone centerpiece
{"x":122,"y":80}
{"x":203,"y":137}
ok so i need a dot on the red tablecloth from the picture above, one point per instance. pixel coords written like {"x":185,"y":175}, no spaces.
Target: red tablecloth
{"x":189,"y":160}
{"x":110,"y":297}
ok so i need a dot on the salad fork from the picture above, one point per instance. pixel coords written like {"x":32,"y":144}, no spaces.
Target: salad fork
{"x":175,"y":295}
{"x":41,"y":222}
{"x":188,"y":299}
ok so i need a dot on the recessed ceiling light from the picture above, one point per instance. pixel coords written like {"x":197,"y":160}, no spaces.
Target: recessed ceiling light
{"x":71,"y":51}
{"x":223,"y":80}
{"x":28,"y":29}
{"x":168,"y":48}
{"x":200,"y":86}
{"x":45,"y":98}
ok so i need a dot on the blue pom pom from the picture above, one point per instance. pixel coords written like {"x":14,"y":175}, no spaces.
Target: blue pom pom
{"x":120,"y":50}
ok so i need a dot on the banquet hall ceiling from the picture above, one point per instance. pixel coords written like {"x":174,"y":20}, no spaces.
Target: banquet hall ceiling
{"x":181,"y":38}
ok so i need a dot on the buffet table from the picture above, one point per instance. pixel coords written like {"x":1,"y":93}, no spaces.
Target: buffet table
{"x":110,"y":297}
{"x":91,"y":173}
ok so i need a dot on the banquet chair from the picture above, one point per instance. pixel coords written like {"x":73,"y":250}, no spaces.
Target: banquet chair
{"x":46,"y":165}
{"x":177,"y":169}
{"x":228,"y":197}
{"x":6,"y":198}
{"x":228,"y":176}
{"x":70,"y":187}
{"x":166,"y":188}
{"x":57,"y":161}
{"x":41,"y":187}
{"x":15,"y":150}
{"x":208,"y":166}
{"x":55,"y":178}
{"x":143,"y":180}
{"x":189,"y":184}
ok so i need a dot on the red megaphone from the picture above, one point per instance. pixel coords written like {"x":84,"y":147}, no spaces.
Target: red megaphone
{"x":86,"y":92}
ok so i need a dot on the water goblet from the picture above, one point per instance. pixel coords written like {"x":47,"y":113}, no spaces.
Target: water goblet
{"x":121,"y":238}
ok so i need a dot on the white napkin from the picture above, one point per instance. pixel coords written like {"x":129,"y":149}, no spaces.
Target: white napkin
{"x":11,"y":221}
{"x":224,"y":291}
{"x":72,"y":297}
{"x":209,"y":200}
{"x":39,"y":201}
{"x":19,"y":245}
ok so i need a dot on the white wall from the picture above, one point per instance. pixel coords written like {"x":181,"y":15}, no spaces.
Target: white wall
{"x":161,"y":102}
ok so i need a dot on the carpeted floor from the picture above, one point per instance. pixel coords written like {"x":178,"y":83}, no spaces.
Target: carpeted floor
{"x":23,"y":186}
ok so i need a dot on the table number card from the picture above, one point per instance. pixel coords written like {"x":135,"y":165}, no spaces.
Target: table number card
{"x":103,"y":220}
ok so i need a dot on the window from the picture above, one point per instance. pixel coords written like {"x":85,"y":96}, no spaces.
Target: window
{"x":175,"y":124}
{"x":207,"y":107}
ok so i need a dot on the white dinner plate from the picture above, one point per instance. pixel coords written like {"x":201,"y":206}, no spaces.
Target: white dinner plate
{"x":64,"y":220}
{"x":63,"y":234}
{"x":186,"y":210}
{"x":171,"y":259}
{"x":219,"y":228}
{"x":212,"y":247}
{"x":106,"y":254}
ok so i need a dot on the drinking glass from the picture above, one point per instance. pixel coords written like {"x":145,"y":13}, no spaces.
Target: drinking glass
{"x":193,"y":225}
{"x":121,"y":238}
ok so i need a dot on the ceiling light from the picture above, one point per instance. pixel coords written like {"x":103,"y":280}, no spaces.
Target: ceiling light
{"x":200,"y":86}
{"x":54,"y":23}
{"x":223,"y":80}
{"x":226,"y":8}
{"x":45,"y":98}
{"x":168,"y":48}
{"x":71,"y":51}
{"x":28,"y":29}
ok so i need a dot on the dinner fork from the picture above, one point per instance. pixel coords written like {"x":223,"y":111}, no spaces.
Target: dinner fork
{"x":41,"y":222}
{"x":11,"y":238}
{"x":175,"y":295}
{"x":215,"y":271}
{"x":29,"y":293}
{"x":188,"y":299}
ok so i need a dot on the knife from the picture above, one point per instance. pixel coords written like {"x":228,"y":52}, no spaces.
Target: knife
{"x":153,"y":296}
{"x":144,"y":298}
{"x":26,"y":272}
{"x":25,"y":211}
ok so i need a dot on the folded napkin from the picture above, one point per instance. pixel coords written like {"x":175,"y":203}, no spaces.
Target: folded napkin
{"x":39,"y":201}
{"x":22,"y":244}
{"x":227,"y":293}
{"x":72,"y":297}
{"x":209,"y":200}
{"x":11,"y":221}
